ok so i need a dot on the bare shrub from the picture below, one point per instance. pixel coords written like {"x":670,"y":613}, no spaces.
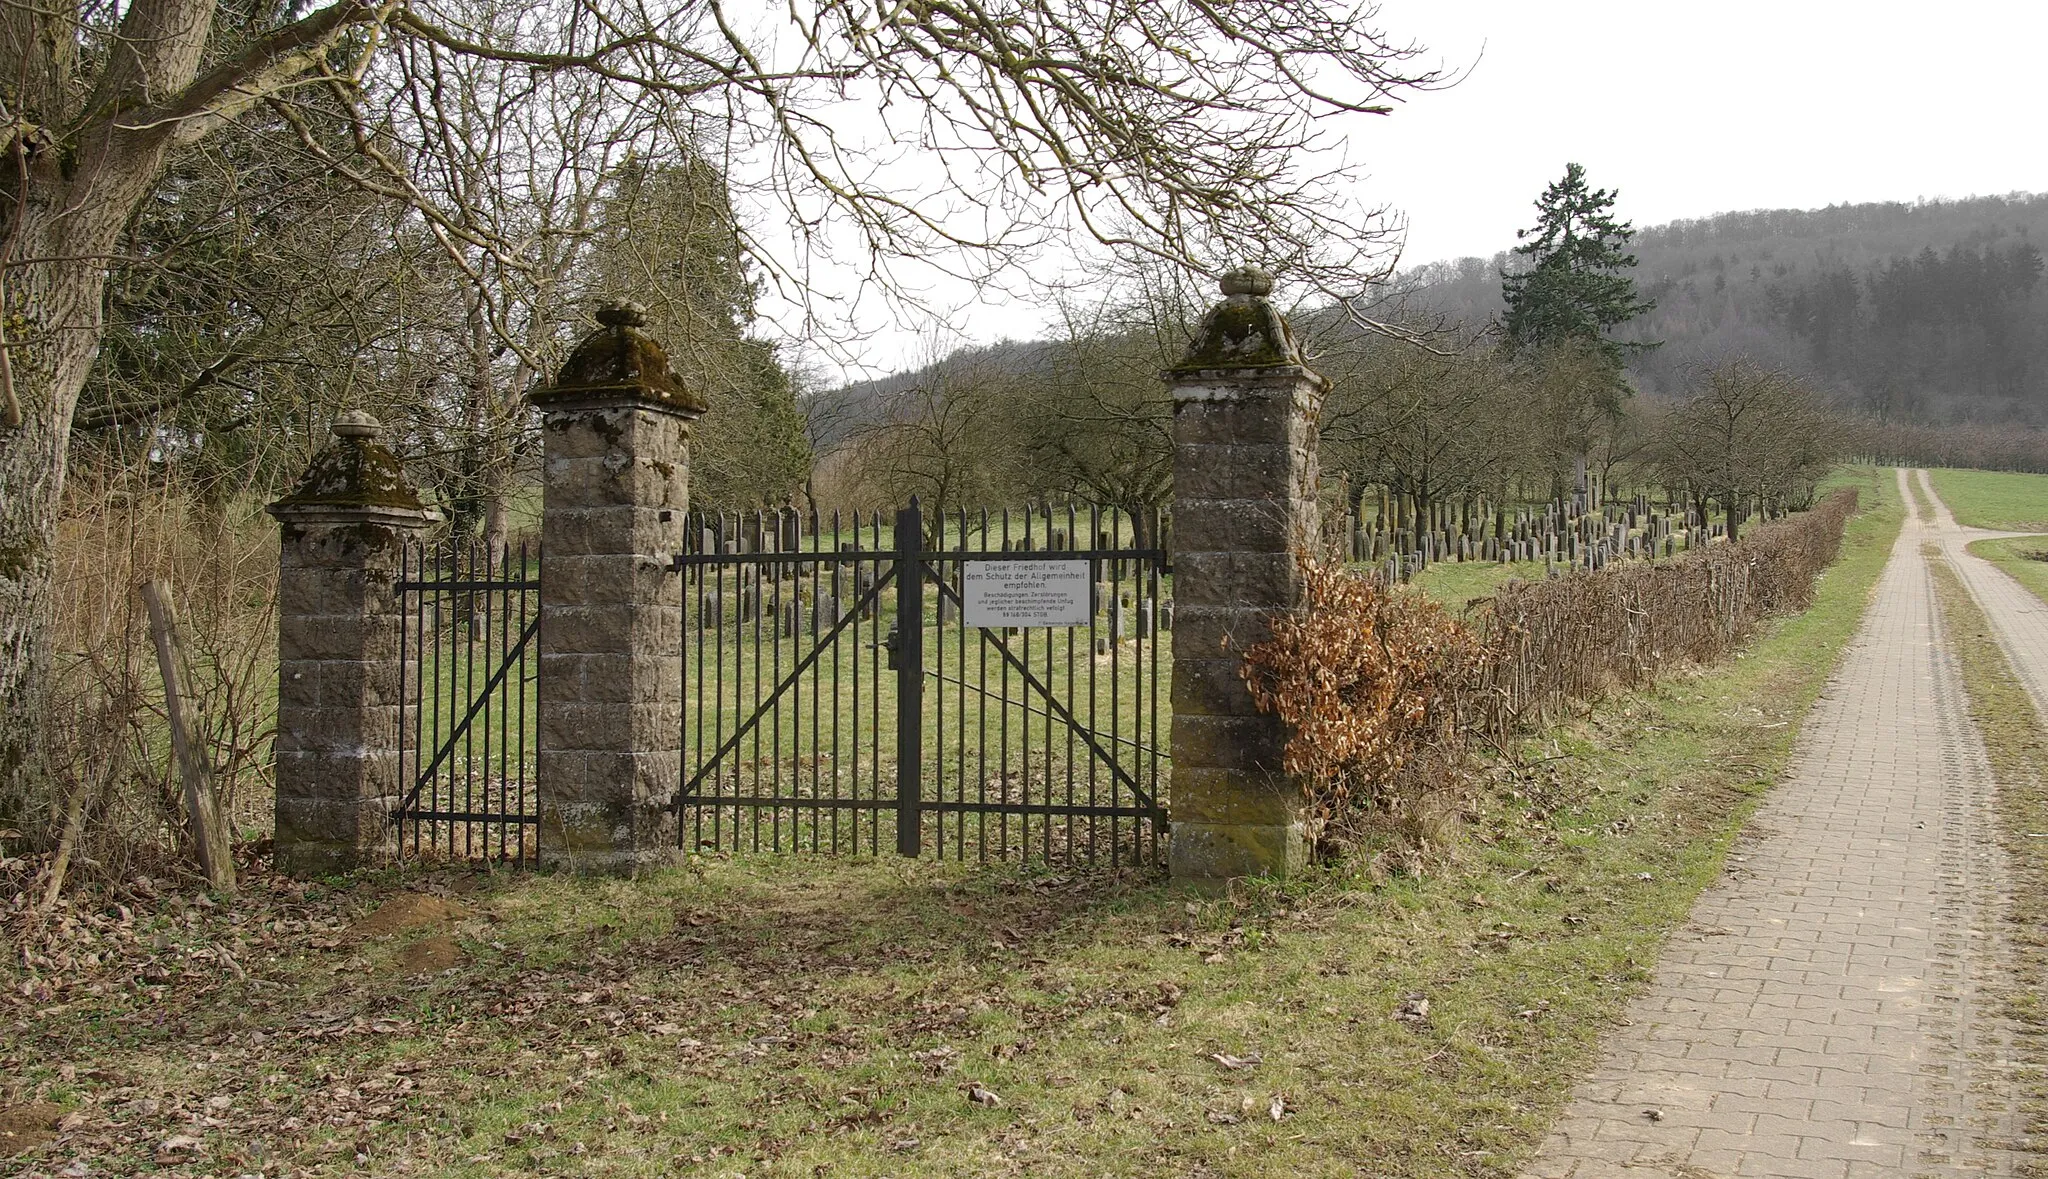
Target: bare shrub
{"x":1579,"y":636}
{"x":114,"y":791}
{"x":1381,"y":688}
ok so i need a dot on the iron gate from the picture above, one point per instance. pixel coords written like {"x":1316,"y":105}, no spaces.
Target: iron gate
{"x":836,"y":697}
{"x":467,"y":649}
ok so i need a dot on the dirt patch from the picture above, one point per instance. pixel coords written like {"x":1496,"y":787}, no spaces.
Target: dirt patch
{"x":430,"y":956}
{"x":407,"y":911}
{"x":25,"y":1127}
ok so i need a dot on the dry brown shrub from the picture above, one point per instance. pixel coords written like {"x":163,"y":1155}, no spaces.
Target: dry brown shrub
{"x":1380,"y":688}
{"x":1366,"y":680}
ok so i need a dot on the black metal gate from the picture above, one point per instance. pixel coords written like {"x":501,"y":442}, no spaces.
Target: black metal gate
{"x":844,"y":688}
{"x":468,"y":736}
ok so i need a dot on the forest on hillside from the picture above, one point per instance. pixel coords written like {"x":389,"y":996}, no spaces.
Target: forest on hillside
{"x":1933,"y":311}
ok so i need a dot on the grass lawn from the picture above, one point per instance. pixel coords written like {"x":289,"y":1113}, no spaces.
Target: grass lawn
{"x":2002,"y":500}
{"x":793,"y":1016}
{"x":1456,"y":584}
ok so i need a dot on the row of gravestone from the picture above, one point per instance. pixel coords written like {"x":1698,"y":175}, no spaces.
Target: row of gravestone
{"x":787,"y":534}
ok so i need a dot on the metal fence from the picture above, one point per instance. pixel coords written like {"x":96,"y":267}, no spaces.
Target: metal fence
{"x":469,"y":652}
{"x":838,"y":697}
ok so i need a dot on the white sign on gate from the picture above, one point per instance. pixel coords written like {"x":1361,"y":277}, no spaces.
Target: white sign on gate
{"x":1025,"y":593}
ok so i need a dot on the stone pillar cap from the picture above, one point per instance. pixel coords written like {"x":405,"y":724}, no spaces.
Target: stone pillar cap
{"x":355,"y":423}
{"x":621,"y":313}
{"x":620,"y":364}
{"x":1247,"y":280}
{"x":355,"y":476}
{"x":1244,"y":331}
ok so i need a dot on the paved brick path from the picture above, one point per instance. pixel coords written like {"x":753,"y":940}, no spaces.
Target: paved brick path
{"x":1826,"y":1011}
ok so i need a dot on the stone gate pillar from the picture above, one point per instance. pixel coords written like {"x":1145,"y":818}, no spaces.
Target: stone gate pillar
{"x":615,"y":486}
{"x":340,"y":681}
{"x":1244,"y":507}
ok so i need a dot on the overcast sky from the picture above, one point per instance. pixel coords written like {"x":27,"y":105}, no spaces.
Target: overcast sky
{"x":1686,"y":109}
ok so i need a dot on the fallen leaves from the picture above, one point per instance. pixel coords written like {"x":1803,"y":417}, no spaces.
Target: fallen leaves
{"x":1413,"y":1009}
{"x":982,"y":1095}
{"x":178,"y":1148}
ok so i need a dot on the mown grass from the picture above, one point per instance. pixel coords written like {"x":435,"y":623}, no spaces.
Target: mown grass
{"x":2003,"y":500}
{"x":1457,"y":584}
{"x":802,"y":1017}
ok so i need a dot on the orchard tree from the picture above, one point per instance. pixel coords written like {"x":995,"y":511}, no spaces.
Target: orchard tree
{"x":1748,"y":431}
{"x":1573,"y":283}
{"x":1178,"y":128}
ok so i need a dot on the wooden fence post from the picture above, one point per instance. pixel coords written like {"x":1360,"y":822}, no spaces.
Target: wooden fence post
{"x":188,"y":743}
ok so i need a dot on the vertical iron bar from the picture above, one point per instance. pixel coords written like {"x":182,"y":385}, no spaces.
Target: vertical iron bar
{"x":1095,"y":515}
{"x":406,"y":682}
{"x":1002,"y":735}
{"x":960,"y":747}
{"x":909,"y":679}
{"x":1067,"y":824}
{"x":835,"y":700}
{"x":940,"y":752}
{"x":529,"y":601}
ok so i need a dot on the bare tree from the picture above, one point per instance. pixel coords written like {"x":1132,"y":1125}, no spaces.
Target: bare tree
{"x":947,"y":436}
{"x":1748,"y":431}
{"x":1430,"y":424}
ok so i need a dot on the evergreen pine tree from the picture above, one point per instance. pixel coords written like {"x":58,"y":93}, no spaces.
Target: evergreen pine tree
{"x":1576,"y":284}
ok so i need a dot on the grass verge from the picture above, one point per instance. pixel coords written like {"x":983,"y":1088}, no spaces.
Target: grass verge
{"x":806,"y":1017}
{"x":2017,"y":743}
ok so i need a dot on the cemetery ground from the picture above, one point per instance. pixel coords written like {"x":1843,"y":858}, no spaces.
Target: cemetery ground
{"x":1406,"y":1014}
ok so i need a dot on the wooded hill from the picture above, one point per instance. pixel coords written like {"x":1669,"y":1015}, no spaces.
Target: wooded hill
{"x":1933,"y":311}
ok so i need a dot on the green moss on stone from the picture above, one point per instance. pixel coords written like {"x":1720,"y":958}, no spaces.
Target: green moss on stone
{"x":1242,"y":331}
{"x":354,"y":472}
{"x":619,"y":359}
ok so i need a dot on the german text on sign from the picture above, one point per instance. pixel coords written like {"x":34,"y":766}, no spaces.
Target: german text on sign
{"x":1025,"y":593}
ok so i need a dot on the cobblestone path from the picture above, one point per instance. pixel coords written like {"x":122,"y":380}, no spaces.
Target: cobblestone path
{"x":1829,"y":1010}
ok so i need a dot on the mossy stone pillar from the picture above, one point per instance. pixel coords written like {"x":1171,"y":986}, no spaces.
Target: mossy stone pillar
{"x":340,"y":681}
{"x":1244,"y":509}
{"x":615,"y":485}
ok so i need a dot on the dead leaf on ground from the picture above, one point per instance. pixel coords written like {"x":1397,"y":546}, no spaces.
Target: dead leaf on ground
{"x":177,"y":1148}
{"x":982,"y":1095}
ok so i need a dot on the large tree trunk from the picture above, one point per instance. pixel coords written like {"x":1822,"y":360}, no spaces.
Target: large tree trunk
{"x":67,"y":189}
{"x":54,"y":310}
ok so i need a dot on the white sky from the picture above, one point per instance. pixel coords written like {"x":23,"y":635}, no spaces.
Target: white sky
{"x":1686,"y":109}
